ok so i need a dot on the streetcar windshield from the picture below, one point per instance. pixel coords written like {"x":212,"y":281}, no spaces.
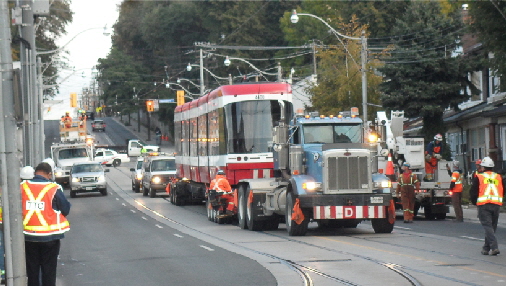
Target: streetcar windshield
{"x":249,"y":125}
{"x":332,"y":133}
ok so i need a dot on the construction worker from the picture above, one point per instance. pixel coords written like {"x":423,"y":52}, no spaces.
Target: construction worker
{"x":487,"y":193}
{"x":44,"y":220}
{"x":221,"y":185}
{"x":408,"y":183}
{"x":67,"y":120}
{"x":456,"y":190}
{"x":432,"y":156}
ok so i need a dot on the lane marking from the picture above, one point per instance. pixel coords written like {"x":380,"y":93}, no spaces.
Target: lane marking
{"x":124,"y":204}
{"x":400,"y":227}
{"x":473,"y":238}
{"x":117,"y":199}
{"x":159,"y":226}
{"x":133,"y":211}
{"x":178,"y":235}
{"x":144,"y":218}
{"x":206,"y":247}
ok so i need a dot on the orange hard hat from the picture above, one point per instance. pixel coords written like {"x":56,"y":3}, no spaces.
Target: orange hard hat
{"x":478,"y":162}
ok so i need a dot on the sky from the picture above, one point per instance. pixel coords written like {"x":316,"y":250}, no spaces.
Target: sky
{"x":84,"y":47}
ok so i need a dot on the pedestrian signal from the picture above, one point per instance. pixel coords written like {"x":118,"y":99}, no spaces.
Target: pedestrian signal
{"x":180,"y":97}
{"x":73,"y":99}
{"x":150,"y":106}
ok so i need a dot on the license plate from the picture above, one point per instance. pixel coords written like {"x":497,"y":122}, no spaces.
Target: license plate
{"x":89,"y":188}
{"x":376,"y":200}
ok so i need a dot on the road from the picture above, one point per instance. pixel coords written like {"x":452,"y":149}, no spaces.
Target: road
{"x":128,"y":239}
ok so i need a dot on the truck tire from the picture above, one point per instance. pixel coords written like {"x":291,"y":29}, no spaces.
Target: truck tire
{"x":209,"y":209}
{"x":417,"y":208}
{"x":103,"y":192}
{"x":241,"y":208}
{"x":144,"y":191}
{"x":73,"y":194}
{"x":152,"y":192}
{"x":441,"y":216}
{"x":292,"y":227}
{"x":253,"y":225}
{"x":178,"y":199}
{"x":381,"y":225}
{"x":116,"y":163}
{"x":428,"y":212}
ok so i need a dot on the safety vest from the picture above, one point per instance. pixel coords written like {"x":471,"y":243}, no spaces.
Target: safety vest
{"x":491,"y":189}
{"x":437,"y":149}
{"x":39,"y":217}
{"x":215,"y":185}
{"x":413,"y":180}
{"x":457,"y":179}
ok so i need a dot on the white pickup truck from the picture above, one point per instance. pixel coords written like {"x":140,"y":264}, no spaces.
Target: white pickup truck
{"x":110,"y":157}
{"x":135,"y":147}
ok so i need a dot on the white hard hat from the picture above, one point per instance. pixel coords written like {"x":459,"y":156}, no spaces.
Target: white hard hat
{"x":50,"y":162}
{"x":438,"y":137}
{"x":487,"y":162}
{"x":27,"y":173}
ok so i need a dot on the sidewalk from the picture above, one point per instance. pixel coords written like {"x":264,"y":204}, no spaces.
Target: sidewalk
{"x":166,"y":146}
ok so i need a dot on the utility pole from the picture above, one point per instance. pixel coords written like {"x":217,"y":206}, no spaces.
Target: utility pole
{"x":9,"y":163}
{"x":202,"y":87}
{"x":280,"y":75}
{"x":364,"y":80}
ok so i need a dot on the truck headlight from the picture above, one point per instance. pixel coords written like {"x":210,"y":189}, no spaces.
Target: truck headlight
{"x":75,"y":180}
{"x":156,"y":180}
{"x":383,"y":184}
{"x":101,"y":178}
{"x":138,"y":177}
{"x":311,"y":186}
{"x":58,"y":173}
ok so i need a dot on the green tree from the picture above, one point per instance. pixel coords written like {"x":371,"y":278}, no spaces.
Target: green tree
{"x":421,"y":76}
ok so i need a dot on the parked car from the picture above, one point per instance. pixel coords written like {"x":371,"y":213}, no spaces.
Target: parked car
{"x":87,"y":177}
{"x":110,"y":157}
{"x":98,"y":125}
{"x":136,"y":175}
{"x":157,"y":172}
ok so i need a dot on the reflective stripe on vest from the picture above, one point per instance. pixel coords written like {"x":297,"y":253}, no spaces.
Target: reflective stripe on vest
{"x":35,"y":206}
{"x":216,"y":185}
{"x":411,"y":180}
{"x":457,"y":179}
{"x":490,"y":190}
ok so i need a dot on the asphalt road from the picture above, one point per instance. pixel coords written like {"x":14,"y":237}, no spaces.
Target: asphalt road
{"x":128,"y":239}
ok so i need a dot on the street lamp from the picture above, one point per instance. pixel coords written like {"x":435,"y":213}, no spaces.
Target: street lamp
{"x":229,"y":78}
{"x":228,"y":61}
{"x":363,"y":55}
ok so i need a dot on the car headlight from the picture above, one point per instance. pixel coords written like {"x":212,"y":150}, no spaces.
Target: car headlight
{"x":383,"y":184}
{"x":58,"y":173}
{"x":75,"y":180}
{"x":101,"y":178}
{"x":138,"y":177}
{"x":156,"y":180}
{"x":311,"y":186}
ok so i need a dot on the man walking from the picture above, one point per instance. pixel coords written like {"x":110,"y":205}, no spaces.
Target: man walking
{"x":487,"y":193}
{"x":406,"y":186}
{"x":44,"y":220}
{"x":456,"y":190}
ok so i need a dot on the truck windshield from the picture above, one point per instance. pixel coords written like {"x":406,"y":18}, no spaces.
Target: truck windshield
{"x":87,"y":168}
{"x":332,"y":133}
{"x":163,"y":165}
{"x":72,"y":153}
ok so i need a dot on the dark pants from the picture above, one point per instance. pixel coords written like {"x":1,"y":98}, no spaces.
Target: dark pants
{"x":489,"y":216}
{"x":457,"y":205}
{"x":42,"y":257}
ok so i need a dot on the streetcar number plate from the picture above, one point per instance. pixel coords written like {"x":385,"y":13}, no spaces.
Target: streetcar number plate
{"x":377,"y":200}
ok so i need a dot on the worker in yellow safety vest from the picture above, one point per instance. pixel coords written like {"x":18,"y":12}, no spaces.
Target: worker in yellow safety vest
{"x":44,"y":209}
{"x":487,"y":193}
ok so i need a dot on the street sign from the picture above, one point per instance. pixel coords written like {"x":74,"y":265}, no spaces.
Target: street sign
{"x":166,"y":100}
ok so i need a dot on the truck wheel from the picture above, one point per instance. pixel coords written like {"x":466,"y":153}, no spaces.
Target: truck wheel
{"x":253,"y":224}
{"x":103,"y":192}
{"x":209,"y":210}
{"x":292,"y":227}
{"x":116,"y":163}
{"x":441,"y":216}
{"x":241,"y":208}
{"x":152,"y":193}
{"x":417,"y":208}
{"x":144,"y":191}
{"x":428,"y":212}
{"x":381,"y":225}
{"x":178,"y":200}
{"x":73,"y":194}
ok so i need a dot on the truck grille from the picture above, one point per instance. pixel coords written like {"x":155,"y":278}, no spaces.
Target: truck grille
{"x":88,"y":179}
{"x":347,"y":173}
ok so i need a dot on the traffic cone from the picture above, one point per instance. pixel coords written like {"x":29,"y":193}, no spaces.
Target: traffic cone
{"x":390,"y":167}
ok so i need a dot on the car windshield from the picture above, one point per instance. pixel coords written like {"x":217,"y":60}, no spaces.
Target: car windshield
{"x":84,"y":168}
{"x":163,"y":165}
{"x":73,"y":153}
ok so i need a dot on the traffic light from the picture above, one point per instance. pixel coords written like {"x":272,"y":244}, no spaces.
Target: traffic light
{"x":150,"y":106}
{"x":73,"y":99}
{"x":180,"y":97}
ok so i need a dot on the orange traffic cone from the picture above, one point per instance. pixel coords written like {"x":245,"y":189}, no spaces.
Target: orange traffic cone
{"x":390,"y":167}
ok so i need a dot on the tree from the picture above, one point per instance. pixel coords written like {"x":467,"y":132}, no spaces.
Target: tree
{"x":422,"y":76}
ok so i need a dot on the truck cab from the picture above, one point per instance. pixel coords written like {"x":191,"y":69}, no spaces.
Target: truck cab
{"x":65,"y":155}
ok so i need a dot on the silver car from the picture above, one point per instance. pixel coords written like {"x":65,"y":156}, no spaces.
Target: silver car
{"x":87,"y":177}
{"x":136,"y":175}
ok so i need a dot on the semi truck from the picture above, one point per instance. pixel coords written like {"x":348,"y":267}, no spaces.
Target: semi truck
{"x":434,"y":196}
{"x":289,"y":177}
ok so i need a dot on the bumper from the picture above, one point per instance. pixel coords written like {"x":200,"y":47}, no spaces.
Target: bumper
{"x":88,"y":187}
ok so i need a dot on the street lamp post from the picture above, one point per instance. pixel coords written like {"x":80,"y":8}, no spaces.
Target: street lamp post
{"x":363,"y":55}
{"x":228,"y":61}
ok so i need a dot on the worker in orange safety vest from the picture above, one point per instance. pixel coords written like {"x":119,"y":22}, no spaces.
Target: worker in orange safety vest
{"x":221,"y":185}
{"x":44,"y":209}
{"x":487,"y":193}
{"x":67,"y":120}
{"x":432,"y":156}
{"x":408,"y":183}
{"x":456,"y":189}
